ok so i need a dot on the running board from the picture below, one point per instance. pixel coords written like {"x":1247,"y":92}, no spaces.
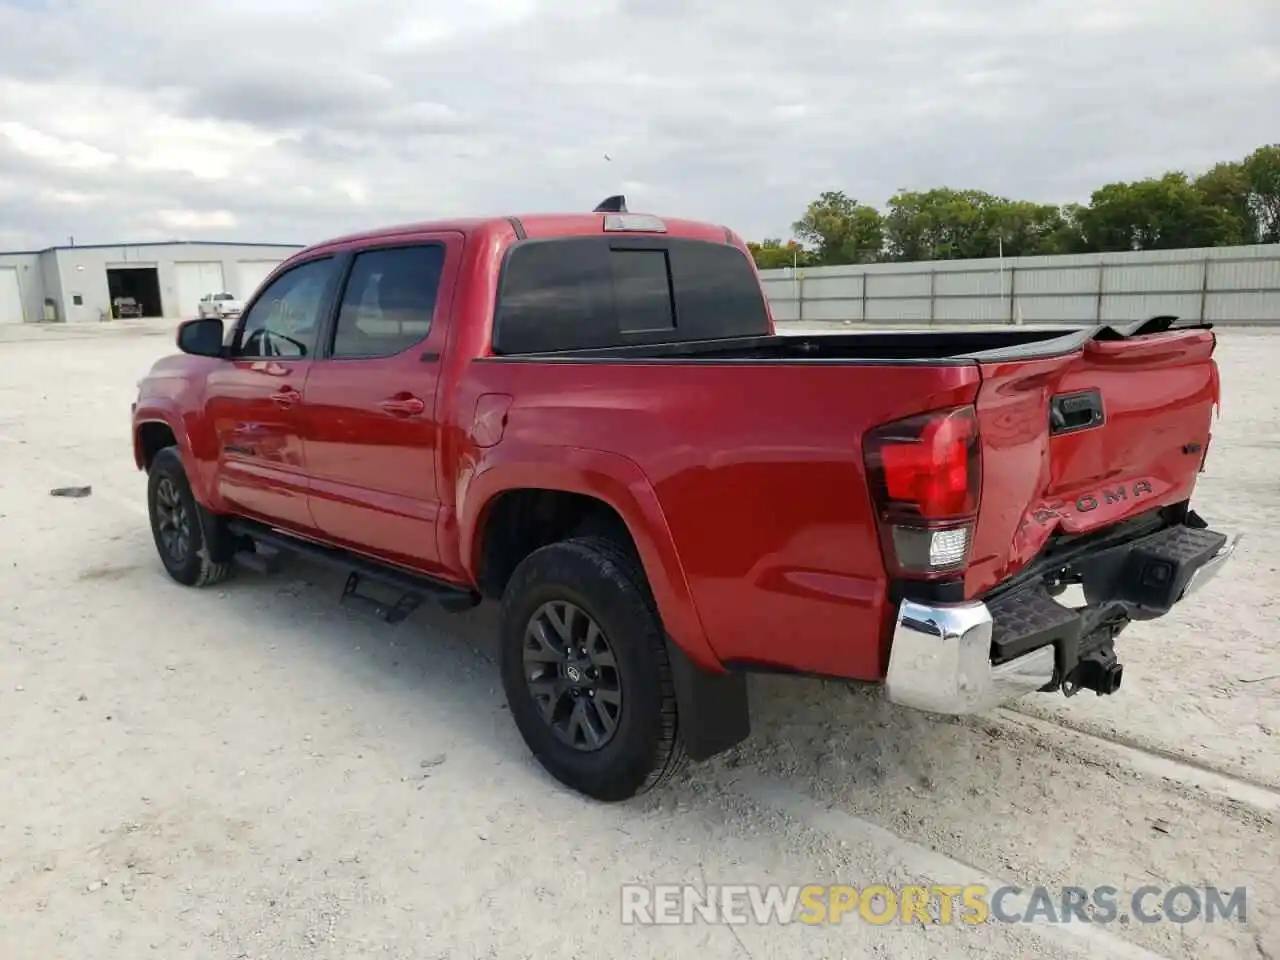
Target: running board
{"x":263,"y":560}
{"x":411,"y":589}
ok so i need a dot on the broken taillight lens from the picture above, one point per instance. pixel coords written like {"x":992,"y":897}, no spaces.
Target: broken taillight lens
{"x":925,"y":476}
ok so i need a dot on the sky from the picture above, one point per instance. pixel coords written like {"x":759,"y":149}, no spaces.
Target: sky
{"x":296,"y":120}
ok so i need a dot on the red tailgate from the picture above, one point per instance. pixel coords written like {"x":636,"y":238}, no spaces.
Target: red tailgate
{"x":1077,"y":443}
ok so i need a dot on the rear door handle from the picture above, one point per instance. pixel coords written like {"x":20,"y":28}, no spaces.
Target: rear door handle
{"x":403,"y":406}
{"x":286,"y":397}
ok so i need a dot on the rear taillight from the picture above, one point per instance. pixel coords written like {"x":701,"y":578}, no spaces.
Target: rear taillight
{"x":925,"y":475}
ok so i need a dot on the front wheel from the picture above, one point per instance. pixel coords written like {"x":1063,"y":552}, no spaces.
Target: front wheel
{"x":175,"y":524}
{"x":585,"y":669}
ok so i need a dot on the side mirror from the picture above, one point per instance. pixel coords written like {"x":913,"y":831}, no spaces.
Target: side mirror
{"x":201,"y":337}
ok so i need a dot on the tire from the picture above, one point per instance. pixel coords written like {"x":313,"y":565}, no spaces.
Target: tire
{"x":607,"y":585}
{"x":175,"y":518}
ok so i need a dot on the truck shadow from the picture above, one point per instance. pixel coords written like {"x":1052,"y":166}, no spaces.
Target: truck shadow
{"x":824,"y":730}
{"x":839,"y":742}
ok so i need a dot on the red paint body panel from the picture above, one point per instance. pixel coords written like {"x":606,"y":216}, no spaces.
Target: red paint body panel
{"x":373,"y":470}
{"x":609,"y":477}
{"x":769,"y":511}
{"x":765,"y":505}
{"x":742,"y":484}
{"x":261,"y":468}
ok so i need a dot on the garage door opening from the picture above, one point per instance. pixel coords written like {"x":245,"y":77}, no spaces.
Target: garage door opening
{"x":10,"y":296}
{"x":251,"y":273}
{"x":139,"y":284}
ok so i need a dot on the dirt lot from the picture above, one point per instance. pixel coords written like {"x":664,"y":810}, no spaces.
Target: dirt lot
{"x":251,"y":771}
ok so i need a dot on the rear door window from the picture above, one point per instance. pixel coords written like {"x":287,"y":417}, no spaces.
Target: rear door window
{"x":593,"y":292}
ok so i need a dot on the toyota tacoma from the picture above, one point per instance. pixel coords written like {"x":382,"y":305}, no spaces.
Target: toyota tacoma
{"x":590,"y":419}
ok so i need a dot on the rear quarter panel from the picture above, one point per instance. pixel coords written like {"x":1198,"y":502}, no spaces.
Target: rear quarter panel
{"x":759,"y":508}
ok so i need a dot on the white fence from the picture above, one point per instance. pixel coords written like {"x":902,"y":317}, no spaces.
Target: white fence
{"x":1224,"y":285}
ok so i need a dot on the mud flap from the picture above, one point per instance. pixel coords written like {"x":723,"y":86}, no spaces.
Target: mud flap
{"x":714,"y":713}
{"x":218,"y":540}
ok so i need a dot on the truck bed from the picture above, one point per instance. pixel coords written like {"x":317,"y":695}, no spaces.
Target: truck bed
{"x":755,"y":447}
{"x":923,"y":346}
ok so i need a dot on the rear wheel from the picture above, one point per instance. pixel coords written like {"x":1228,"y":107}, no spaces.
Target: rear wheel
{"x":176,"y":525}
{"x":585,"y":669}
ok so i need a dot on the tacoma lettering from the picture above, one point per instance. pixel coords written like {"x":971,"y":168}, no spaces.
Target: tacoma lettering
{"x":1088,"y":502}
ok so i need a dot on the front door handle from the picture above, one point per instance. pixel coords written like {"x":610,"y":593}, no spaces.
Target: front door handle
{"x":287,"y":397}
{"x":403,"y":406}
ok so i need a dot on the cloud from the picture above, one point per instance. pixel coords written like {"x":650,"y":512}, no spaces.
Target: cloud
{"x":197,"y":219}
{"x":52,"y":150}
{"x":301,"y":119}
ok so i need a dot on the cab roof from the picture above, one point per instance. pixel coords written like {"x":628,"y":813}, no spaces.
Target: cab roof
{"x":604,"y":219}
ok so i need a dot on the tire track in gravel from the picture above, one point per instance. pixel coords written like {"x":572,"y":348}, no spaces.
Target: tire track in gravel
{"x":1187,"y":770}
{"x":1033,"y":803}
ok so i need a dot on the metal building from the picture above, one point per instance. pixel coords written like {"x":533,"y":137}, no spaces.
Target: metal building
{"x":1224,"y":285}
{"x":78,"y":284}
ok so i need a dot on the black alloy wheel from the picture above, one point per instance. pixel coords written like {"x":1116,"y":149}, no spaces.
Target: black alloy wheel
{"x":572,"y":675}
{"x":173,"y":522}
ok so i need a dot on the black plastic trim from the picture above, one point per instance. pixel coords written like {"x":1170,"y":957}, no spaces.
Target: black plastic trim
{"x":448,"y":595}
{"x":1063,"y":550}
{"x":218,"y":537}
{"x":327,"y":323}
{"x":713,"y":710}
{"x":612,"y":204}
{"x":1135,"y":579}
{"x":518,"y":227}
{"x":957,"y":348}
{"x":691,"y":357}
{"x":970,"y":348}
{"x":950,"y":590}
{"x":1074,"y":412}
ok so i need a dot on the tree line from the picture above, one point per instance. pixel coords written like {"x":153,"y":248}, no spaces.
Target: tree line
{"x":1235,"y":202}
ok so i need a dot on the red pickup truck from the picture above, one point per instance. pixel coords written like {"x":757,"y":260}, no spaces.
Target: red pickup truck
{"x":591,"y":419}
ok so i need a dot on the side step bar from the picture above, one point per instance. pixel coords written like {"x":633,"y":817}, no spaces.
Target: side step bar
{"x":411,"y":588}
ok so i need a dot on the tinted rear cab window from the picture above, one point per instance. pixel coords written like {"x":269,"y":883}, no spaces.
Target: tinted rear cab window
{"x":578,"y":293}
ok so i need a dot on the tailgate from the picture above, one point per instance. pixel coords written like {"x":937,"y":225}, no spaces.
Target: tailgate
{"x":1077,"y":443}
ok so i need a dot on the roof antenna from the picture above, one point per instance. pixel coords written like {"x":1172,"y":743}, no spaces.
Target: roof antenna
{"x":615,"y":204}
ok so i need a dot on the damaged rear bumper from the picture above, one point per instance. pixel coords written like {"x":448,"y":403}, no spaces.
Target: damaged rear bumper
{"x":967,"y":658}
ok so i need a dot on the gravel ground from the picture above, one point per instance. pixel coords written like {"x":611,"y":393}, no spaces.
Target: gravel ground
{"x":252,"y":771}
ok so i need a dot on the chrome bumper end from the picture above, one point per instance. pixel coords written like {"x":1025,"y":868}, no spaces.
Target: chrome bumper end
{"x":940,"y":661}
